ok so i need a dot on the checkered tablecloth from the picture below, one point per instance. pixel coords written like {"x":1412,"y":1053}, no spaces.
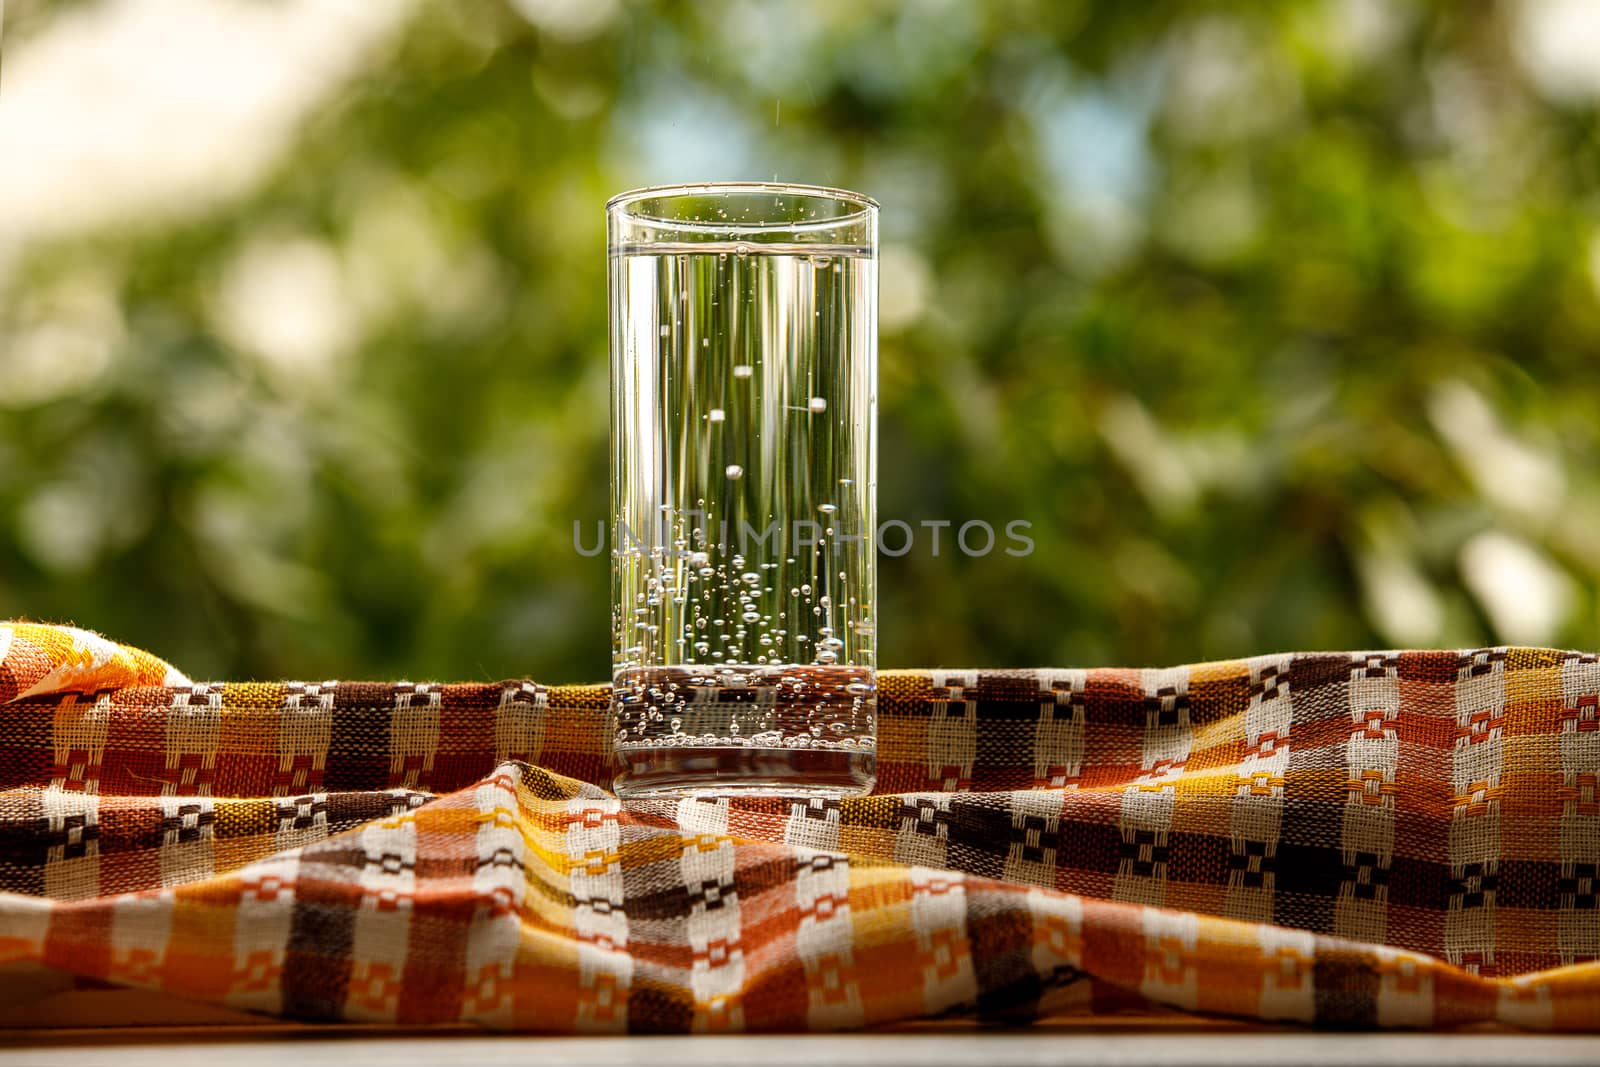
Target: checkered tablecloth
{"x":1351,"y":839}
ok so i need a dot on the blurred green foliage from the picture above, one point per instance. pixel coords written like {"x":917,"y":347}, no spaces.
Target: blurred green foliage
{"x":1279,"y":323}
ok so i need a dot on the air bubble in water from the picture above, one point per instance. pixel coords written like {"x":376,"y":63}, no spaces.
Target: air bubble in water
{"x":716,"y":415}
{"x":817,"y":405}
{"x":743,"y":370}
{"x":666,"y":331}
{"x":750,"y":578}
{"x":734,"y":471}
{"x":751,"y":616}
{"x":827,"y":509}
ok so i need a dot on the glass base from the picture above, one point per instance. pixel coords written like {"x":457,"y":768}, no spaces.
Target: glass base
{"x":686,"y":771}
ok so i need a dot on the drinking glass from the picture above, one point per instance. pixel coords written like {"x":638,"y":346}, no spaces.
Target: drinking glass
{"x":744,"y":358}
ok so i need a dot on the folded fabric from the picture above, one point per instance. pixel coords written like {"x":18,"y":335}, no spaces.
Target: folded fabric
{"x":1350,"y":839}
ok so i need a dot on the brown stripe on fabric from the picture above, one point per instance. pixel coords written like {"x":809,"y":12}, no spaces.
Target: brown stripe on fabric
{"x":1089,"y":845}
{"x":25,"y":749}
{"x":1116,"y":698}
{"x":1202,"y":858}
{"x":466,"y":752}
{"x":1000,"y":940}
{"x":1420,"y":886}
{"x":317,"y":963}
{"x":658,"y":1001}
{"x":979,"y":830}
{"x":1008,"y":708}
{"x":1346,"y":988}
{"x":358,"y":750}
{"x":1218,"y":691}
{"x":1004,"y":759}
{"x":1309,"y":866}
{"x":24,"y":842}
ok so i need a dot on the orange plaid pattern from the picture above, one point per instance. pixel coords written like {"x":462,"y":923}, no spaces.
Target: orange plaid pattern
{"x":1352,"y":839}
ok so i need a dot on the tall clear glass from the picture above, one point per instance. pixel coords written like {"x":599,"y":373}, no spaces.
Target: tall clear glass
{"x":744,"y":376}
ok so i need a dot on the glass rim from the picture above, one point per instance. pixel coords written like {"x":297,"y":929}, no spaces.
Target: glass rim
{"x":864,"y":206}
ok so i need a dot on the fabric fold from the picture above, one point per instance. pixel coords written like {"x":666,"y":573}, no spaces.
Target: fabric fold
{"x":1351,"y":839}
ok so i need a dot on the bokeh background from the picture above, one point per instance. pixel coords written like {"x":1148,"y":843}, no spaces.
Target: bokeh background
{"x":1279,"y":322}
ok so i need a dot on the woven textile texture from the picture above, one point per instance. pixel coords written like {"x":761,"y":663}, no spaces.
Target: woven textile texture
{"x":1352,"y":839}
